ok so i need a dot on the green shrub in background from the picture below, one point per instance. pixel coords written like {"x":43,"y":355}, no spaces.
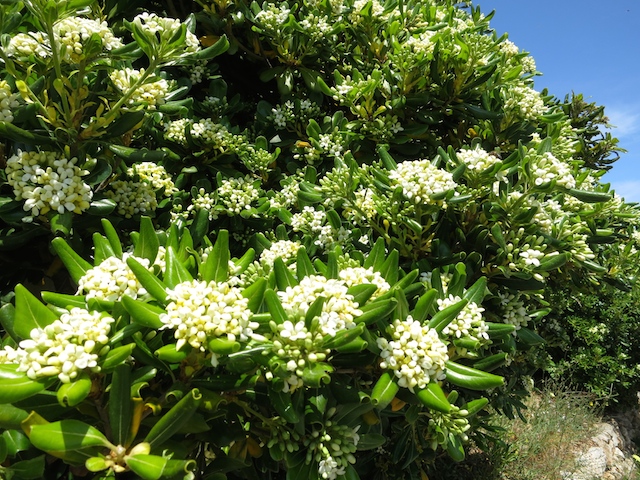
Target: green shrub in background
{"x":592,"y":339}
{"x":299,"y":239}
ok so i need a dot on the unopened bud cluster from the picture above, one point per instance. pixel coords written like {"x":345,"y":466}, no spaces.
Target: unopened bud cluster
{"x":9,"y":101}
{"x":332,"y":448}
{"x":442,"y":425}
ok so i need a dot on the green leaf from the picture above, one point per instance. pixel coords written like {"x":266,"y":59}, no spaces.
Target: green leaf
{"x":143,"y":313}
{"x":475,"y":293}
{"x":218,"y":48}
{"x":444,"y":317}
{"x":7,"y":320}
{"x":65,"y":435}
{"x":63,"y":300}
{"x":216,"y":268}
{"x":11,"y":417}
{"x":171,"y":421}
{"x":377,"y":310}
{"x":434,"y":398}
{"x":370,"y":441}
{"x":255,"y":294}
{"x":152,"y":284}
{"x":275,"y":307}
{"x":102,"y":207}
{"x":16,"y":441}
{"x":471,"y":378}
{"x":72,"y":394}
{"x":76,"y":265}
{"x":120,"y":411}
{"x":283,"y":404}
{"x":61,"y":223}
{"x":384,"y":391}
{"x":116,"y":356}
{"x":17,"y":134}
{"x":147,"y":244}
{"x":30,"y":313}
{"x":134,"y":155}
{"x":32,"y":469}
{"x":175,"y":271}
{"x":101,"y":248}
{"x":112,"y":236}
{"x":424,"y":305}
{"x":284,"y":277}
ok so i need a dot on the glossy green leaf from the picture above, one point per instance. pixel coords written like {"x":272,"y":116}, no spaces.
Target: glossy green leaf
{"x":275,"y":307}
{"x":76,"y":265}
{"x":116,"y":356}
{"x":216,"y":268}
{"x":283,"y":404}
{"x":112,"y":235}
{"x":101,"y":248}
{"x":171,"y":421}
{"x":73,"y":393}
{"x":11,"y":416}
{"x":471,"y":378}
{"x":63,"y":300}
{"x":445,"y":316}
{"x":147,"y":243}
{"x":31,"y":469}
{"x":7,"y":320}
{"x":66,"y":435}
{"x":120,"y":409}
{"x":152,"y":284}
{"x":434,"y":398}
{"x":30,"y":313}
{"x":143,"y":313}
{"x":175,"y":271}
{"x":255,"y":294}
{"x":384,"y":391}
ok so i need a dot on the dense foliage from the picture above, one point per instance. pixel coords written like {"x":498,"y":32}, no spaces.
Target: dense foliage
{"x":287,"y":240}
{"x":592,"y":340}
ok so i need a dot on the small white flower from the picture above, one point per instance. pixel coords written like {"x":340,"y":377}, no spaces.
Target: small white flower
{"x":416,"y":355}
{"x":151,"y":93}
{"x":112,"y":279}
{"x":420,"y":179}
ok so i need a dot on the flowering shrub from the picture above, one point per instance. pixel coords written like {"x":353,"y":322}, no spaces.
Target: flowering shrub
{"x":341,"y":218}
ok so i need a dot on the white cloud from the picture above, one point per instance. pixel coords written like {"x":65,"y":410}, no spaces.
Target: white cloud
{"x":626,"y":120}
{"x":629,"y":190}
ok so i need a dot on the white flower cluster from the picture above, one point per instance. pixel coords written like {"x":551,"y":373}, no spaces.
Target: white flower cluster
{"x":74,"y":32}
{"x":468,"y":323}
{"x":175,"y":131}
{"x":635,"y":236}
{"x":200,"y":311}
{"x":513,"y":310}
{"x":198,"y":71}
{"x":284,"y":249}
{"x":112,"y":279}
{"x":46,"y":181}
{"x":420,"y":179}
{"x":528,"y":64}
{"x":331,"y":144}
{"x":28,"y":44}
{"x":9,"y":101}
{"x":338,"y":310}
{"x":164,"y":29}
{"x":546,"y":168}
{"x":255,"y":159}
{"x":272,"y":18}
{"x":296,"y":347}
{"x":312,"y":222}
{"x":524,"y":102}
{"x":509,"y":48}
{"x":358,"y":275}
{"x":477,"y":159}
{"x":531,"y":256}
{"x":154,"y":174}
{"x":215,"y":135}
{"x":151,"y":93}
{"x":287,"y":195}
{"x":377,"y":10}
{"x":422,"y":43}
{"x":237,"y":194}
{"x":382,"y":128}
{"x":64,"y":348}
{"x":315,"y":26}
{"x":416,"y":355}
{"x":205,"y":201}
{"x":132,"y":197}
{"x":364,"y":206}
{"x":333,"y":448}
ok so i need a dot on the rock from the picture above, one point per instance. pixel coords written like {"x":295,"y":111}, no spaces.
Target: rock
{"x":591,"y":464}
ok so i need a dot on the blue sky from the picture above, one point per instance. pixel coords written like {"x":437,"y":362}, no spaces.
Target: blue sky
{"x":589,"y":47}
